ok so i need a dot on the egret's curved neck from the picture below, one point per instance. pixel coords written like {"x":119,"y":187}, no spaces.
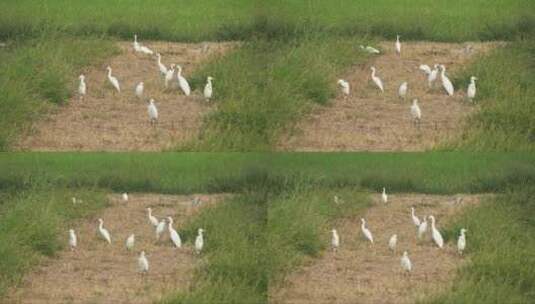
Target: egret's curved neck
{"x":109,"y":72}
{"x":100,"y":226}
{"x":373,"y":73}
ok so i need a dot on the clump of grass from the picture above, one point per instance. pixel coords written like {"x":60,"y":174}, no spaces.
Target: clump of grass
{"x":33,"y":224}
{"x":37,"y":74}
{"x":266,"y":85}
{"x":506,"y":89}
{"x":500,"y":245}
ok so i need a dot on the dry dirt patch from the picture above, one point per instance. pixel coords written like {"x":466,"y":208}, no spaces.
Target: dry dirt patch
{"x":108,"y":121}
{"x":100,"y":273}
{"x":364,"y":273}
{"x":371,"y":121}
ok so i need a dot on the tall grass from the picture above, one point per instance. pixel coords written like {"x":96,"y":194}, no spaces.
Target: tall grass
{"x":506,"y":89}
{"x":452,"y":20}
{"x":266,"y":86}
{"x":37,"y":74}
{"x":34,"y":224}
{"x":501,"y":242}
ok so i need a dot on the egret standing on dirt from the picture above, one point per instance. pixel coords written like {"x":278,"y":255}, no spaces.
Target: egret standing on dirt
{"x":384,"y":196}
{"x":461,"y":242}
{"x":113,"y":80}
{"x":344,"y":85}
{"x":143,"y":263}
{"x":393,"y":242}
{"x":208,"y":90}
{"x":446,"y":83}
{"x":169,"y":75}
{"x":367,"y":233}
{"x":182,"y":82}
{"x":415,"y":219}
{"x":125,"y":197}
{"x":335,"y":240}
{"x":370,"y":49}
{"x":402,"y":92}
{"x":139,"y":90}
{"x":82,"y":87}
{"x":159,"y":229}
{"x":73,"y":242}
{"x":406,"y":262}
{"x":398,"y":45}
{"x":378,"y":82}
{"x":130,"y":241}
{"x":153,"y":112}
{"x":432,"y":76}
{"x":175,"y":238}
{"x":152,"y":219}
{"x":161,"y":66}
{"x":137,"y":47}
{"x":471,"y":92}
{"x":199,"y":241}
{"x":416,"y":113}
{"x":437,"y":237}
{"x":103,"y":232}
{"x":422,"y":229}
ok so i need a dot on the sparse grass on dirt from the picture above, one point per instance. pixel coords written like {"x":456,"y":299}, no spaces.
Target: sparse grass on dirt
{"x":32,"y":223}
{"x":501,"y":245}
{"x":506,"y":89}
{"x":37,"y":73}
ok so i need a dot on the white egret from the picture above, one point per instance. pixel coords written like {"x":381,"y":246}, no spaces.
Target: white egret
{"x":143,"y":263}
{"x":335,"y":240}
{"x":398,"y":45}
{"x":113,"y":80}
{"x":432,"y":76}
{"x":402,"y":92}
{"x":175,"y":238}
{"x":125,"y":197}
{"x":393,"y":242}
{"x":146,"y":50}
{"x":336,"y":200}
{"x":208,"y":90}
{"x":152,"y":219}
{"x":103,"y":232}
{"x":182,"y":82}
{"x":384,"y":196}
{"x":161,"y":66}
{"x":140,"y":87}
{"x":425,"y":68}
{"x":82,"y":87}
{"x":137,"y":46}
{"x":406,"y":262}
{"x":437,"y":237}
{"x":370,"y":49}
{"x":153,"y":112}
{"x":159,"y":229}
{"x":74,"y":201}
{"x":169,"y":75}
{"x":130,"y":241}
{"x":344,"y":85}
{"x":199,"y":241}
{"x":446,"y":83}
{"x":367,"y":233}
{"x":73,"y":241}
{"x":422,"y":229}
{"x":471,"y":92}
{"x":461,"y":242}
{"x":416,"y":113}
{"x":377,"y":80}
{"x":415,"y":219}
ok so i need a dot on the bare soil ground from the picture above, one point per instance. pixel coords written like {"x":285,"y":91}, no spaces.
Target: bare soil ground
{"x":100,"y":273}
{"x":109,"y":121}
{"x":371,"y":121}
{"x":363,"y":273}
